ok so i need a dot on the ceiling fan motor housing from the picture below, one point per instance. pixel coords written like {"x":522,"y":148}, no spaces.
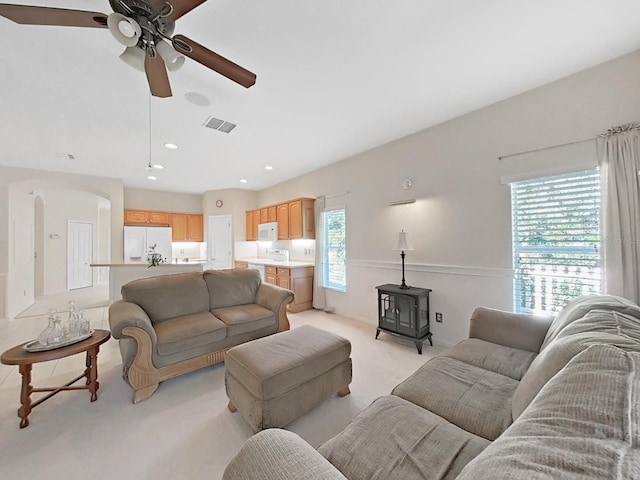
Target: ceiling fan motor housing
{"x":151,"y":20}
{"x":143,"y":26}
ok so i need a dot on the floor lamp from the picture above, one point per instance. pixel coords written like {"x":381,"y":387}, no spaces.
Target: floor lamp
{"x":403,"y":245}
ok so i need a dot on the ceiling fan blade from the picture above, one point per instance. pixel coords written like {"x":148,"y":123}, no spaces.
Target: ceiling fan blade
{"x":212,"y":60}
{"x":180,"y":7}
{"x":156,"y":74}
{"x":29,"y":15}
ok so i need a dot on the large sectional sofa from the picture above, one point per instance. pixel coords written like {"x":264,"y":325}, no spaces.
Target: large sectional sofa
{"x":173,"y":324}
{"x":523,"y":397}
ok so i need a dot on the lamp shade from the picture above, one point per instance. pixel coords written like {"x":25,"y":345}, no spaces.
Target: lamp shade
{"x":402,"y":243}
{"x":124,"y":29}
{"x":172,"y":59}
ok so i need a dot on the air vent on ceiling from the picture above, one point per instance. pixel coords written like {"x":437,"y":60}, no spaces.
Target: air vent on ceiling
{"x":220,"y":125}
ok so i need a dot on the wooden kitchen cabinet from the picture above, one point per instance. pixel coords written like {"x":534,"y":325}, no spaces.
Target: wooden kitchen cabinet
{"x":273,"y":213}
{"x":253,"y":219}
{"x":264,"y":215}
{"x":296,"y":219}
{"x":283,"y":221}
{"x":270,"y":275}
{"x":146,"y":217}
{"x":301,"y":283}
{"x":268,"y":214}
{"x":299,"y":280}
{"x":283,"y":277}
{"x":186,"y":227}
{"x":249,"y":228}
{"x":241,"y":264}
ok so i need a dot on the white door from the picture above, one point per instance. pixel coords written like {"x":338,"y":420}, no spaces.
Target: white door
{"x":79,"y":255}
{"x":219,"y":242}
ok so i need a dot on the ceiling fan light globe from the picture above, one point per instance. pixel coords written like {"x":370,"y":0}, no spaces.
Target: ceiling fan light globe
{"x":176,"y":64}
{"x":124,"y":29}
{"x":172,"y":59}
{"x":134,"y":57}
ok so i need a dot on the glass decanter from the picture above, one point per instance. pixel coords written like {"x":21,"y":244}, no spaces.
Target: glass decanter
{"x":73,"y":323}
{"x":53,"y":333}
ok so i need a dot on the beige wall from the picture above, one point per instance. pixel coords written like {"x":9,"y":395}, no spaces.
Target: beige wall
{"x":61,"y":207}
{"x":143,"y":199}
{"x":235,"y":202}
{"x":17,"y":221}
{"x":460,"y":224}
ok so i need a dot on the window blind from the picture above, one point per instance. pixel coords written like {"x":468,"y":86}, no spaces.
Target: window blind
{"x":556,"y":240}
{"x":334,"y":268}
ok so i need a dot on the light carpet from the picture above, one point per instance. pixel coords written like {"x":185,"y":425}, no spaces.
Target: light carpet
{"x":184,"y":431}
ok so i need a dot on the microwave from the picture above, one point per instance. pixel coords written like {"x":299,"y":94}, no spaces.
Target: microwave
{"x":268,"y":232}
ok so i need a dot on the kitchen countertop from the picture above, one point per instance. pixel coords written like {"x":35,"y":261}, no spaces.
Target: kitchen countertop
{"x":141,"y":264}
{"x":272,"y":263}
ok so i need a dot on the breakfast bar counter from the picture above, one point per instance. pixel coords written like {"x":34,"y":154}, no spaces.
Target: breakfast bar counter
{"x":121,"y":273}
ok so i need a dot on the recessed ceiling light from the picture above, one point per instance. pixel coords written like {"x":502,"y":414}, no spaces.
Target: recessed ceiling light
{"x":268,"y":167}
{"x":152,"y":177}
{"x":171,"y":146}
{"x":197,"y":99}
{"x":243,"y":180}
{"x":158,"y":166}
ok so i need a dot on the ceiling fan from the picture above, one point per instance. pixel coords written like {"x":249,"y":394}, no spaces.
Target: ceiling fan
{"x":145,"y":27}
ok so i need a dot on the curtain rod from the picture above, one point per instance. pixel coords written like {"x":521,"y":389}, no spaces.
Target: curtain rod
{"x":546,"y":148}
{"x":346,"y":192}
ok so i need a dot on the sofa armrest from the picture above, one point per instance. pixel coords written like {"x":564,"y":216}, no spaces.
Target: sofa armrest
{"x":515,"y":330}
{"x":275,"y":454}
{"x":126,"y":314}
{"x":275,"y":299}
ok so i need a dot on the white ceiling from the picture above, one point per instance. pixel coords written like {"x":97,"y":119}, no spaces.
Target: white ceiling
{"x":335,"y":78}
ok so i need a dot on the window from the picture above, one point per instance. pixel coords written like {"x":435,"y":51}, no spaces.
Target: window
{"x":334,"y":252}
{"x":556,"y":240}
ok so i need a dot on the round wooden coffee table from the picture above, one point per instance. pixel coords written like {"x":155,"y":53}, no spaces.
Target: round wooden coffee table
{"x":19,"y":356}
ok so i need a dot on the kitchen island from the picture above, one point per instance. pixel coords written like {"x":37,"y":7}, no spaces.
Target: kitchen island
{"x":121,"y":273}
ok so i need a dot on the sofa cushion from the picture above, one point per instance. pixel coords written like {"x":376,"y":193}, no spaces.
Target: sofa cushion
{"x":507,"y":361}
{"x":596,"y":326}
{"x":189,"y":331}
{"x":470,"y":397}
{"x":584,"y":423}
{"x":282,"y":455}
{"x":168,"y":296}
{"x":245,"y":318}
{"x":231,"y":287}
{"x":394,"y":439}
{"x":580,"y":306}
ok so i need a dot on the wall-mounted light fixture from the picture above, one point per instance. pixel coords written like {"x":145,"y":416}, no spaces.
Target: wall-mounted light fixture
{"x":406,"y":184}
{"x":402,"y":202}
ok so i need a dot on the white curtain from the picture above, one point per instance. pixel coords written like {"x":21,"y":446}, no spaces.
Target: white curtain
{"x":319,"y":293}
{"x":619,"y":160}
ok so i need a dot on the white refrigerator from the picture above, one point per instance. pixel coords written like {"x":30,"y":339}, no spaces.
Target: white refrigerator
{"x":138,"y":241}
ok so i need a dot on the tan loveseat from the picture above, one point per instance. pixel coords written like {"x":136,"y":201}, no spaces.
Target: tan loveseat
{"x":173,"y":324}
{"x":522,"y":398}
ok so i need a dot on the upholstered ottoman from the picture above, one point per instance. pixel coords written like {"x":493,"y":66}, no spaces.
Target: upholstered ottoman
{"x":275,"y":379}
